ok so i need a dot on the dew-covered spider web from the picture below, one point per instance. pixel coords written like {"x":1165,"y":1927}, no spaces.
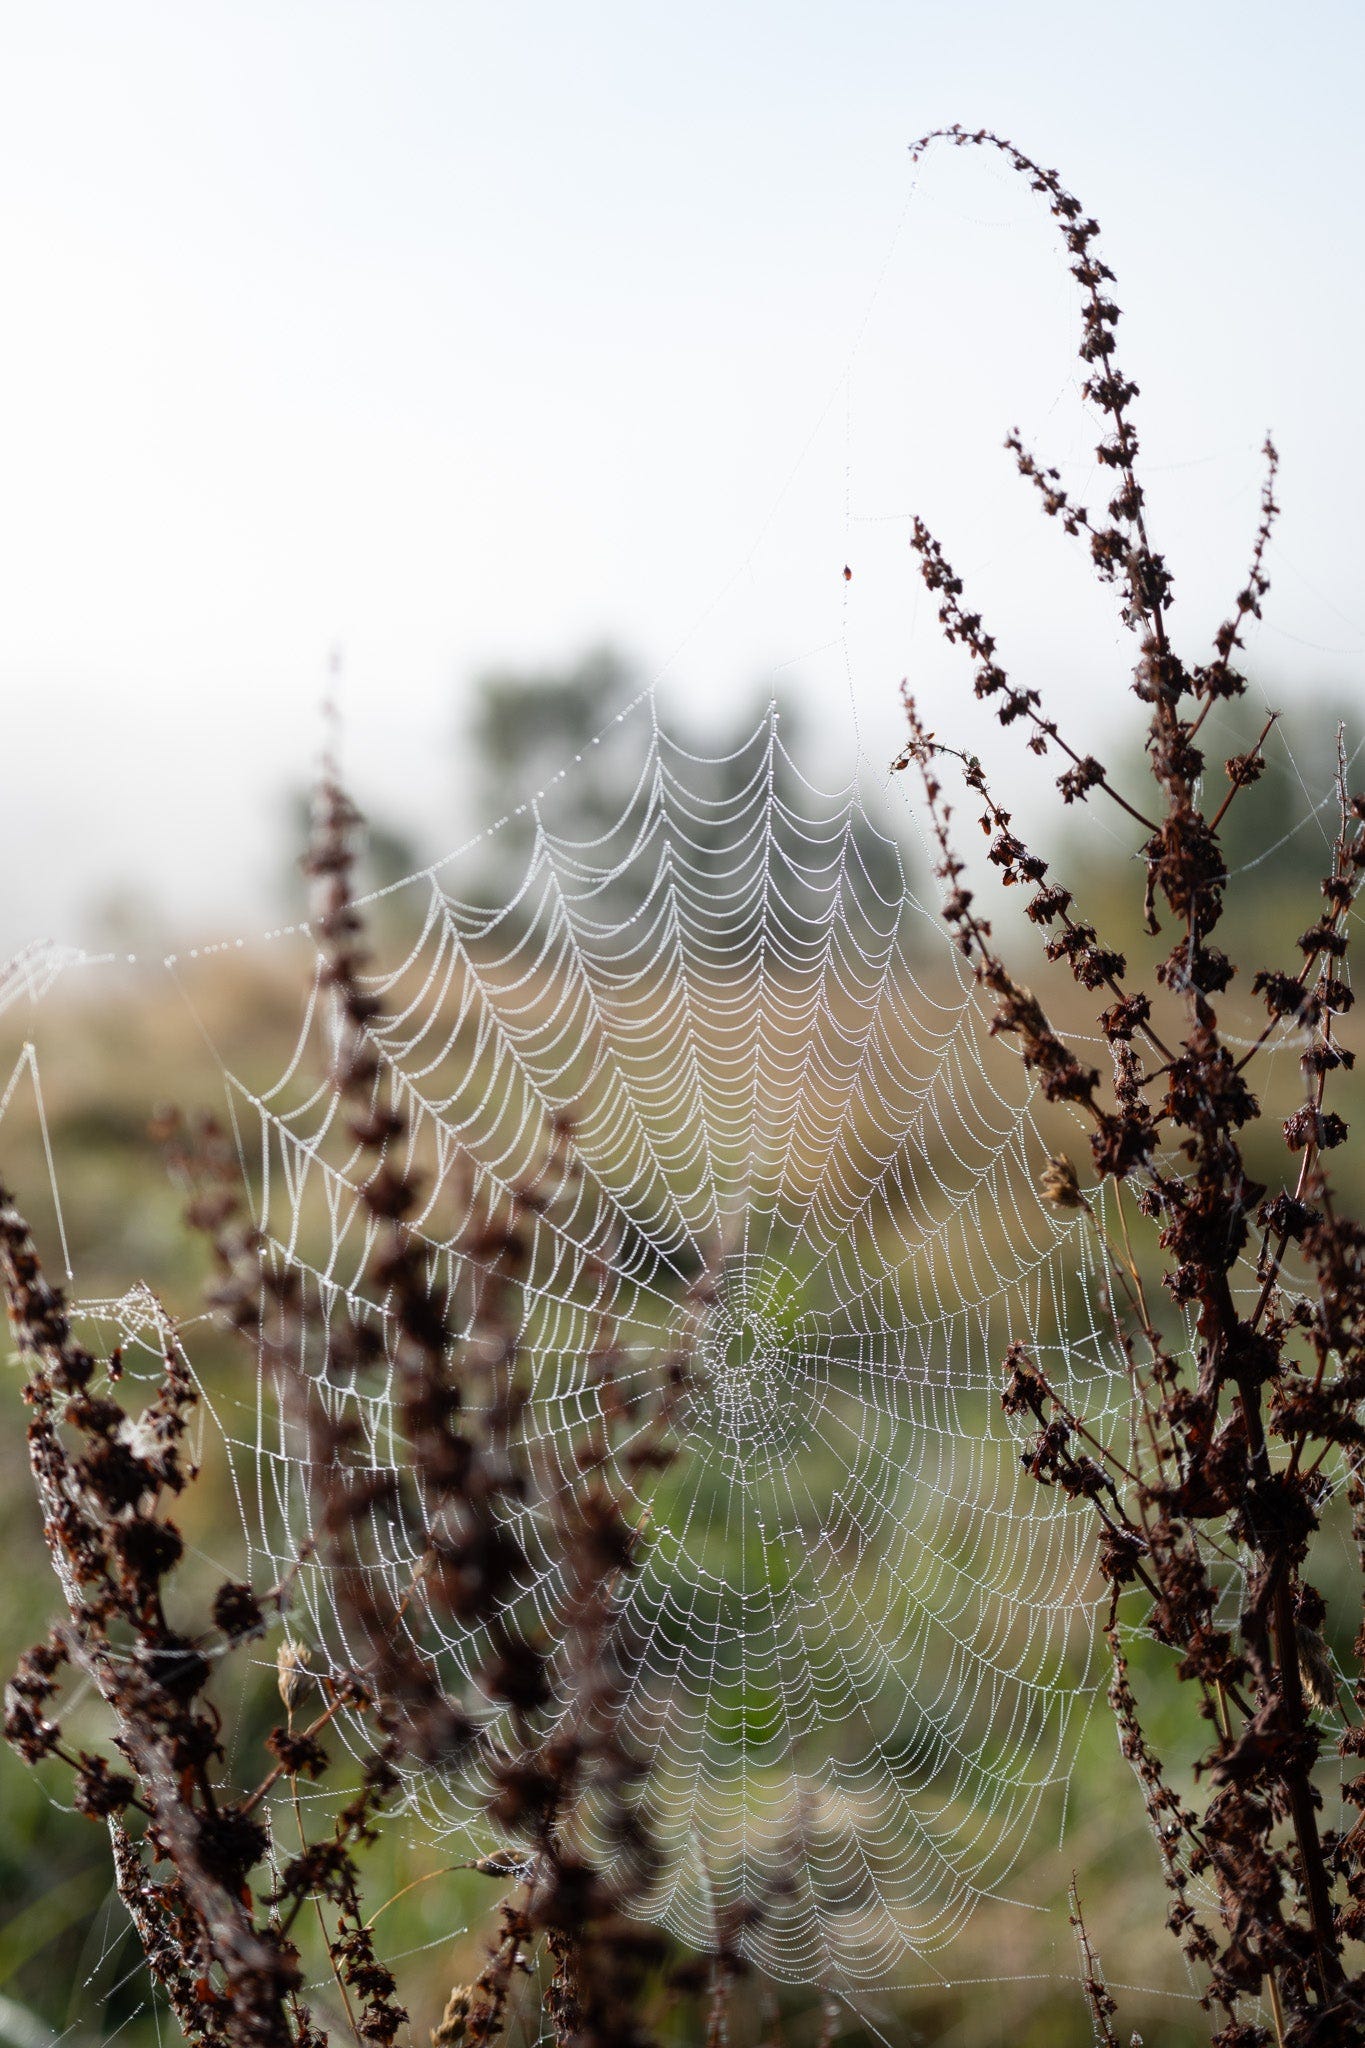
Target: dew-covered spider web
{"x":710,"y":1020}
{"x":717,"y":1033}
{"x":858,"y":1653}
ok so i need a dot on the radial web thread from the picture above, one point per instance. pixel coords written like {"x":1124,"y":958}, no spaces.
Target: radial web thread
{"x":859,"y":1651}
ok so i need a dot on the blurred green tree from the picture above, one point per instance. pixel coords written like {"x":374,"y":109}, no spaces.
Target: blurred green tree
{"x":527,"y":724}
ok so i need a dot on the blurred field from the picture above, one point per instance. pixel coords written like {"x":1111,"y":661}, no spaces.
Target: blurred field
{"x":114,"y":1044}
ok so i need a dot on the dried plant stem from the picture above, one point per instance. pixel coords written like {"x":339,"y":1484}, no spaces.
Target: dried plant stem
{"x":1229,"y":1442}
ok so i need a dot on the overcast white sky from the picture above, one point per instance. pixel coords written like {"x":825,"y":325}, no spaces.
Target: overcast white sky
{"x":467,"y":333}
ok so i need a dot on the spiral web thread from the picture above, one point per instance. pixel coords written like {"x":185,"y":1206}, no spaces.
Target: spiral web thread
{"x":858,"y":1653}
{"x":860,"y":1647}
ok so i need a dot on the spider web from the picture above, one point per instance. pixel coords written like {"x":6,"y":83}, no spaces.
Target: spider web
{"x":858,"y":1654}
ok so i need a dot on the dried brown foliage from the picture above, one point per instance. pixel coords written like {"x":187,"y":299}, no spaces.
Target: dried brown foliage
{"x":200,"y":1860}
{"x":1251,"y":1397}
{"x":1247,"y":1390}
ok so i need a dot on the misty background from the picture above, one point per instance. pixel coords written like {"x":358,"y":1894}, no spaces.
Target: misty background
{"x":469,"y":341}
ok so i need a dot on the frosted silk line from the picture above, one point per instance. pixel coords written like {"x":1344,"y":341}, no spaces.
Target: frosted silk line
{"x":860,"y":1647}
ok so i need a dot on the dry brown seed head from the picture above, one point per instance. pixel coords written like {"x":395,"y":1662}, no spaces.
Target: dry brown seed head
{"x":1059,"y":1185}
{"x":451,"y":2030}
{"x":291,"y":1670}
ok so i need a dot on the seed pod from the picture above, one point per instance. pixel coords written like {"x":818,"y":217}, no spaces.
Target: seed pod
{"x":291,"y":1670}
{"x":451,"y":2031}
{"x":1059,"y":1185}
{"x":1315,"y":1667}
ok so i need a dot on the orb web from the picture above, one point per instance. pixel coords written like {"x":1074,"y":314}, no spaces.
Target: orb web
{"x":857,"y":1654}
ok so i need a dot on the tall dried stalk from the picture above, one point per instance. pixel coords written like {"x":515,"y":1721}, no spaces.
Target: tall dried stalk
{"x":189,"y":1841}
{"x":1240,"y":1424}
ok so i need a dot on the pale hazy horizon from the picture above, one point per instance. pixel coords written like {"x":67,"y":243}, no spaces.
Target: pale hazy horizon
{"x":467,"y":337}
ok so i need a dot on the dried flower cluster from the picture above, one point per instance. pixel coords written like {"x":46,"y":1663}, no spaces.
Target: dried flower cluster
{"x":1250,"y":1395}
{"x":1247,"y":1373}
{"x":104,"y":1478}
{"x":202,"y":1863}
